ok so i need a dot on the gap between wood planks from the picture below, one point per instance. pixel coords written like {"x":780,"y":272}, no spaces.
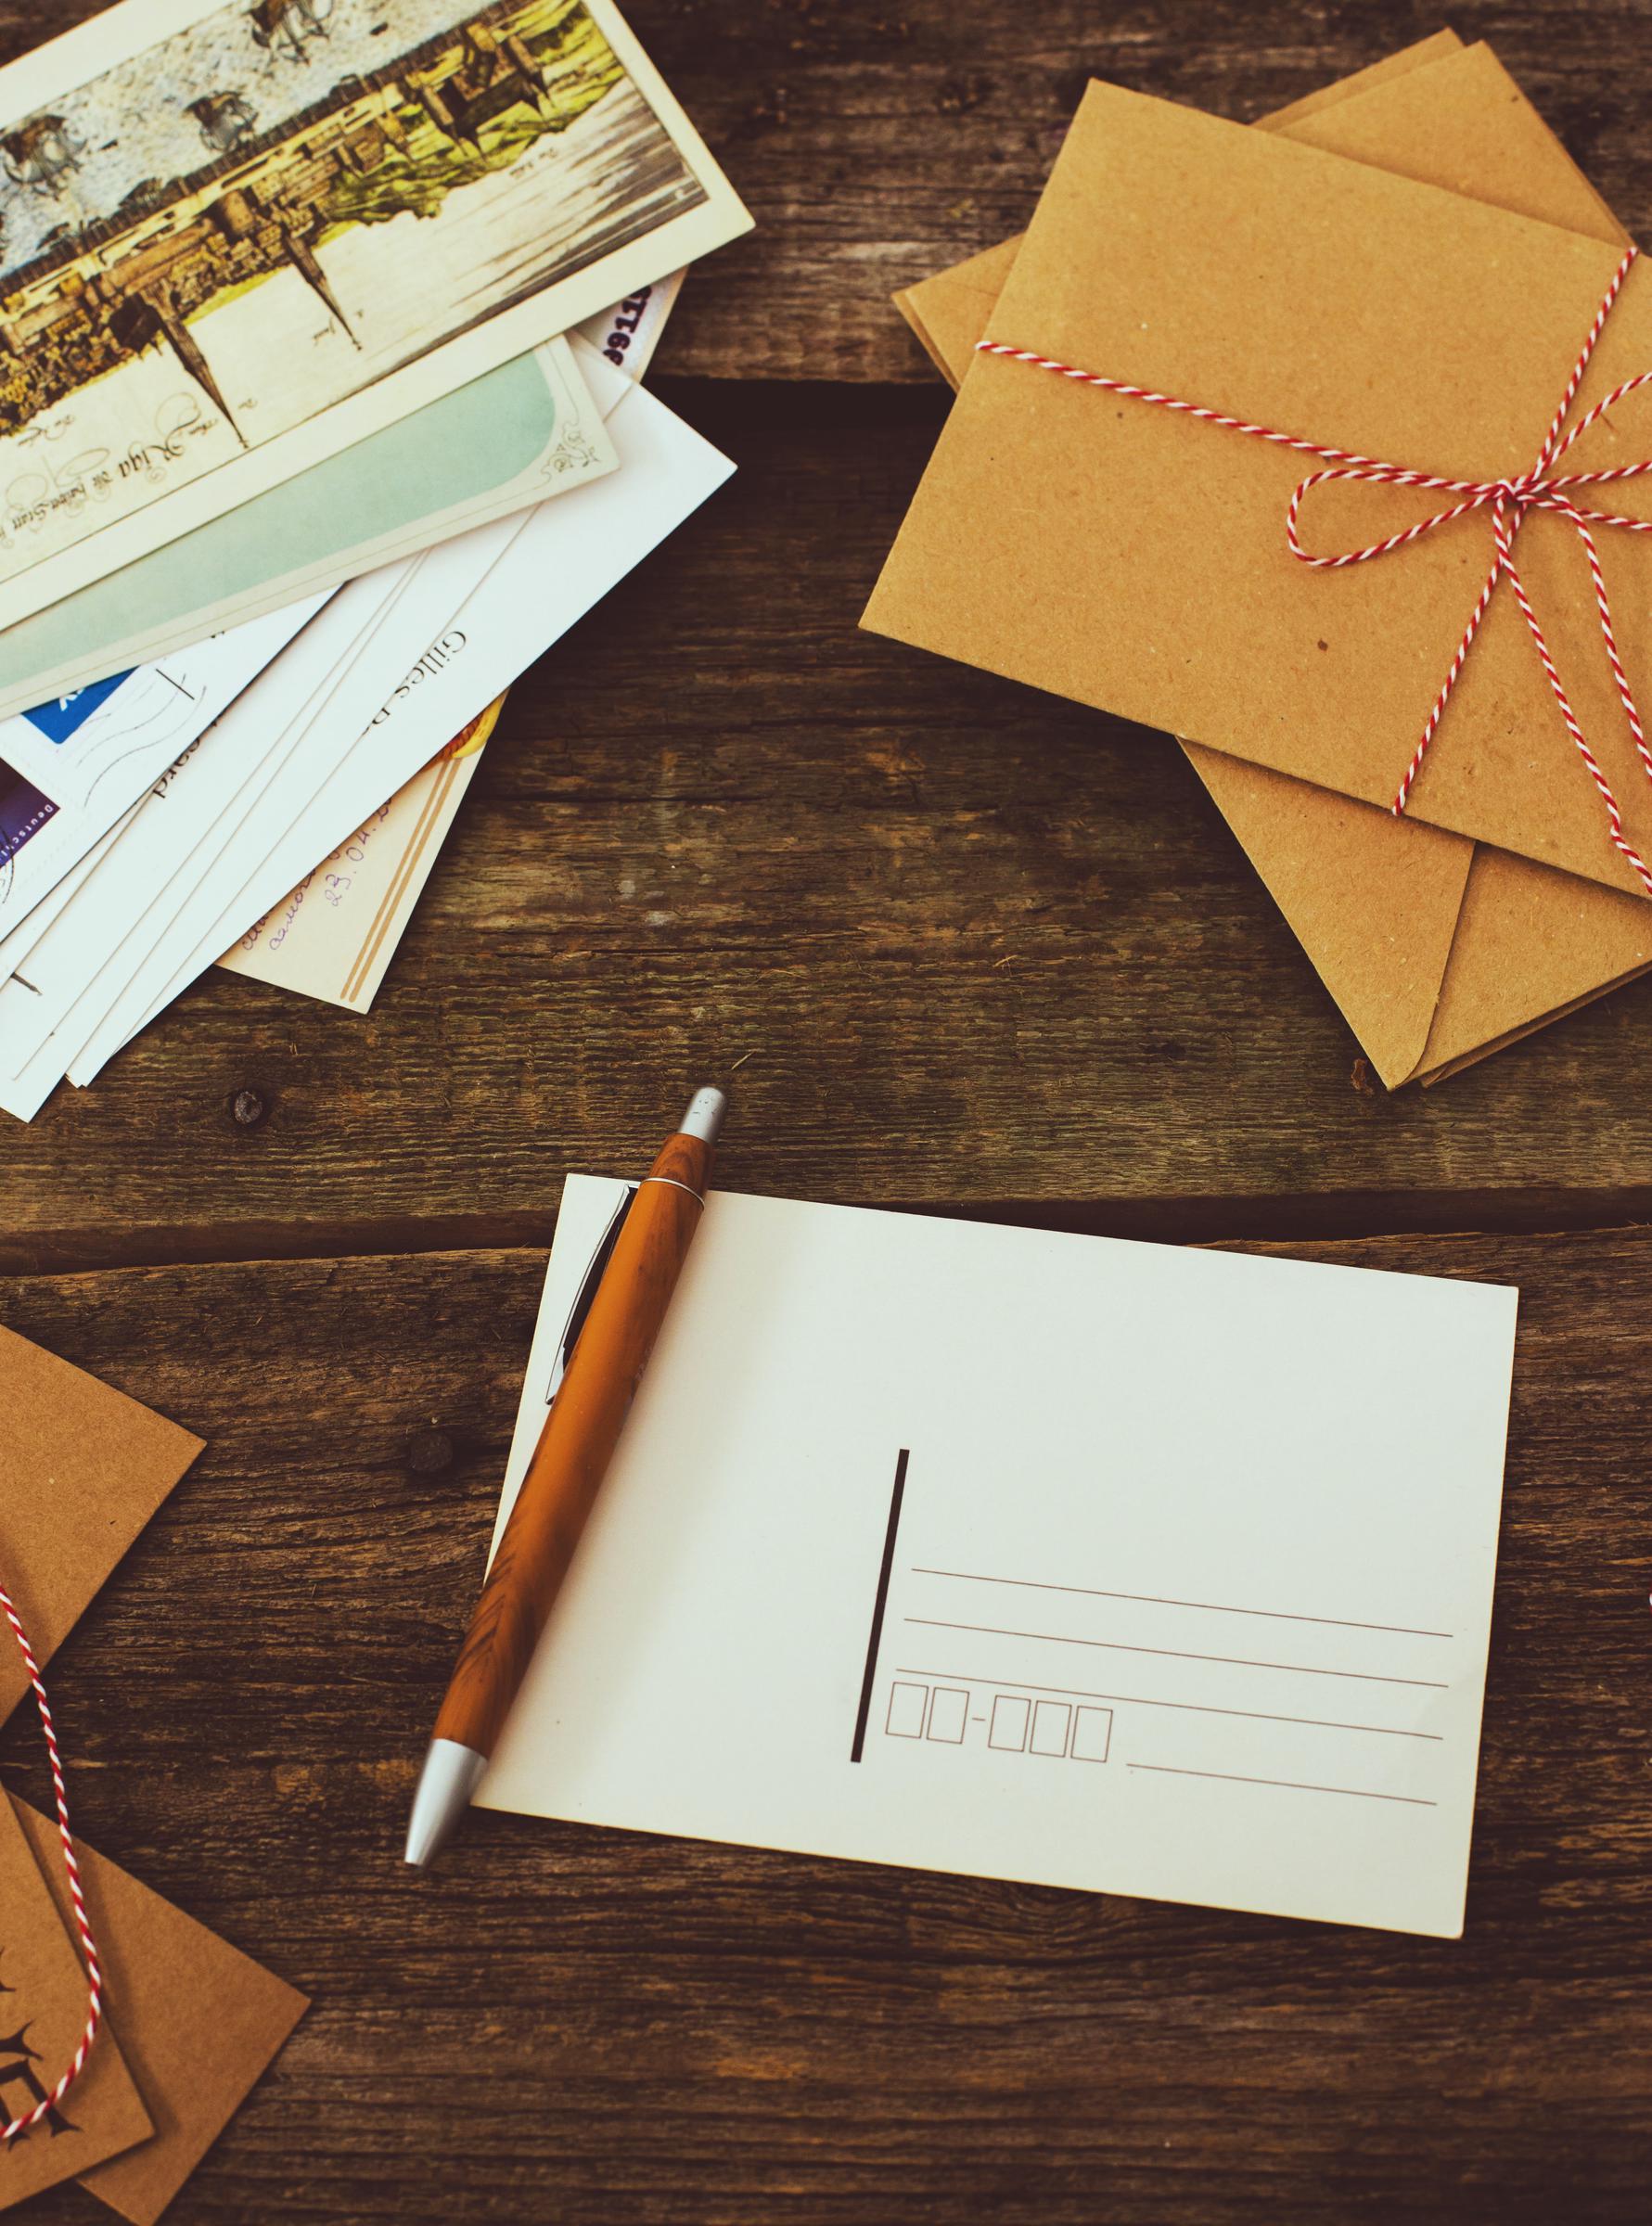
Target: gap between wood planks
{"x":1269,"y":1221}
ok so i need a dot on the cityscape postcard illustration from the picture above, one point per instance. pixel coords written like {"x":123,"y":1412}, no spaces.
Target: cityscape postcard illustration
{"x":237,"y":238}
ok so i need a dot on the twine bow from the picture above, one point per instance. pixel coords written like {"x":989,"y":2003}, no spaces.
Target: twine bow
{"x":1510,"y":501}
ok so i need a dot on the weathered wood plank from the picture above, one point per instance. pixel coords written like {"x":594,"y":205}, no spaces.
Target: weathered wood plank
{"x":982,"y":947}
{"x":874,"y":146}
{"x":588,"y":2024}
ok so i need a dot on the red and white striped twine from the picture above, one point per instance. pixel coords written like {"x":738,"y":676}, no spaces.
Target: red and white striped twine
{"x":1537,"y":489}
{"x":83,"y":1923}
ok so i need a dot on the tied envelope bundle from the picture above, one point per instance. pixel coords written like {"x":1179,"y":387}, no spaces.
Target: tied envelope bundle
{"x":1312,"y":279}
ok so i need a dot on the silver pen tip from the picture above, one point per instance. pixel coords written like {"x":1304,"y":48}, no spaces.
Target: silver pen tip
{"x":704,"y":1116}
{"x":450,"y":1776}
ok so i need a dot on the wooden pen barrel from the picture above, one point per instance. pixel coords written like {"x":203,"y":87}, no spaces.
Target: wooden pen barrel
{"x":576,"y":1445}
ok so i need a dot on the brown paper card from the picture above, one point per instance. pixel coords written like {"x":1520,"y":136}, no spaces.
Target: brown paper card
{"x":1136,"y":559}
{"x":42,"y":2015}
{"x":87,"y":1467}
{"x":1433,"y":48}
{"x":949,"y":312}
{"x":1463,"y":123}
{"x":1574,"y":939}
{"x":1377,"y":918}
{"x":198,"y":2021}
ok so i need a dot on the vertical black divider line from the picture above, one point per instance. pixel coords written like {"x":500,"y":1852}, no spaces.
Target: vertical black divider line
{"x":877,"y":1607}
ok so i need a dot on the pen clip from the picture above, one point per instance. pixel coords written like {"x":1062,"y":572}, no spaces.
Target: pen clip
{"x":587,"y":1290}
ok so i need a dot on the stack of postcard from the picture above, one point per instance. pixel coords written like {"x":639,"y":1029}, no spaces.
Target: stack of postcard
{"x":1401,"y":271}
{"x":321,"y":327}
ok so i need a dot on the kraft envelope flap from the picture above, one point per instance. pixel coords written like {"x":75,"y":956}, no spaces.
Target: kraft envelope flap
{"x":1399,"y":64}
{"x":200,"y":2021}
{"x":1532,"y":945}
{"x":1378,"y":920}
{"x":949,"y":313}
{"x":1135,"y":559}
{"x":1461,"y":124}
{"x":1376,"y":916}
{"x":87,"y":1467}
{"x":43,"y":2016}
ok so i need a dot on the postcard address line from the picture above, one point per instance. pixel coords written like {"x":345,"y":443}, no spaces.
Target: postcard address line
{"x":1191,"y":1708}
{"x":1215,"y":1608}
{"x":1179,"y":1654}
{"x":1171,"y":1770}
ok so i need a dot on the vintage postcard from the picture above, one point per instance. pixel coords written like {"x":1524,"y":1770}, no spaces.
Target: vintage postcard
{"x":242,"y":237}
{"x":560,"y":562}
{"x":524,"y":433}
{"x":334,"y":934}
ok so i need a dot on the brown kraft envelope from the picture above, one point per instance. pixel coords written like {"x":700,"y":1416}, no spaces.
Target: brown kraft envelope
{"x":198,"y":2020}
{"x":87,"y":1467}
{"x":950,"y":312}
{"x":1429,"y":243}
{"x":1437,"y":951}
{"x":42,"y":2015}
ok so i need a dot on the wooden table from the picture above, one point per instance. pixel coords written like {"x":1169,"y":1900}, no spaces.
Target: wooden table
{"x":982,"y":954}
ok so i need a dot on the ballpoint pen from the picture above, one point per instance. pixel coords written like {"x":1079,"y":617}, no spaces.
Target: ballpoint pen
{"x":609,"y":1353}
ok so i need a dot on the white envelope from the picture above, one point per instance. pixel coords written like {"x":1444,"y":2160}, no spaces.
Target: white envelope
{"x":333,"y":935}
{"x":100,"y":939}
{"x":17,"y":943}
{"x":95,"y":752}
{"x":563,"y":557}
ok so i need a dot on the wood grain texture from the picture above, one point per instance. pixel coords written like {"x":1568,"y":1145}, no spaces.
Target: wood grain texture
{"x":875,"y":143}
{"x":984,"y":951}
{"x":596,"y":2027}
{"x":982,"y":947}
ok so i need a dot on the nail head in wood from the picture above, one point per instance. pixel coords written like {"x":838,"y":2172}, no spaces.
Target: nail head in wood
{"x":429,"y":1451}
